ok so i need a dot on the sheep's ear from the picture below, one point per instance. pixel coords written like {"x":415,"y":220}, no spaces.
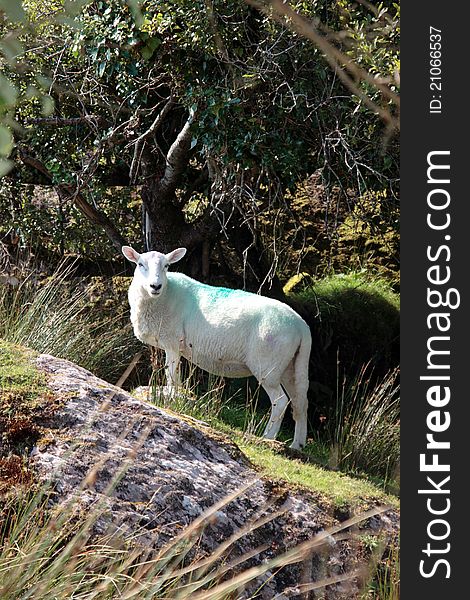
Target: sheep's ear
{"x":130,"y":254}
{"x":175,"y":255}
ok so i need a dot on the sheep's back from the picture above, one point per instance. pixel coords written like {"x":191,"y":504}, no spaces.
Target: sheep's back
{"x":225,"y":330}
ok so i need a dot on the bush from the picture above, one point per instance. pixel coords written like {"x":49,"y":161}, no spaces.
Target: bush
{"x":355,"y":320}
{"x":353,"y":395}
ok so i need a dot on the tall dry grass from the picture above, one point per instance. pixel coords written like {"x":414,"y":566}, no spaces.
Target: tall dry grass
{"x":53,"y":316}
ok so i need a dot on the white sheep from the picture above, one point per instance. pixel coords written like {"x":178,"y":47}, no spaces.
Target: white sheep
{"x":223,"y":331}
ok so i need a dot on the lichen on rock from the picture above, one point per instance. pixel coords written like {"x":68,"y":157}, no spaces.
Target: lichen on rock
{"x":153,"y":474}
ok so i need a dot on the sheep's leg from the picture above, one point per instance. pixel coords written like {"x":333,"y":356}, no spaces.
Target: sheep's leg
{"x":299,"y":400}
{"x":298,"y":407}
{"x":172,"y":360}
{"x":279,"y":402}
{"x":299,"y":412}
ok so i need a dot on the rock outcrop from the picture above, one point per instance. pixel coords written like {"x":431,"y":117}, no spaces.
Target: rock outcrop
{"x":155,"y":474}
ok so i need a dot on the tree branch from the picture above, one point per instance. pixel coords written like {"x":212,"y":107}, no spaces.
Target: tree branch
{"x":156,"y":124}
{"x":140,"y":141}
{"x":176,"y":157}
{"x":283,"y":13}
{"x":66,"y":122}
{"x":67,"y":191}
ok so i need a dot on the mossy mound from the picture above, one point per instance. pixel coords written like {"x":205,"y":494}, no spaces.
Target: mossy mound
{"x":355,"y":321}
{"x":26,"y":407}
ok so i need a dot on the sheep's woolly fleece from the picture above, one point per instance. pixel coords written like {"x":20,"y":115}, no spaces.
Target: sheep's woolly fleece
{"x":231,"y":333}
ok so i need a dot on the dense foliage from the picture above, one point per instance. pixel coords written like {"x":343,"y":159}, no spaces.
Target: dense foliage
{"x":212,"y":111}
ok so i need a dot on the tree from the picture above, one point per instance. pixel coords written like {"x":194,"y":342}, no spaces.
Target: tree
{"x":211,"y":107}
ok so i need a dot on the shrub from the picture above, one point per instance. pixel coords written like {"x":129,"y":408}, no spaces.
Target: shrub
{"x":355,"y":320}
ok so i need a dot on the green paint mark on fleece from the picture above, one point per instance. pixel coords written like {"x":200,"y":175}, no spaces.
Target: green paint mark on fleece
{"x":220,"y":293}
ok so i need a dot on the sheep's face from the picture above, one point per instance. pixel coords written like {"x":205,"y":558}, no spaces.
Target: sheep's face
{"x":152,"y":267}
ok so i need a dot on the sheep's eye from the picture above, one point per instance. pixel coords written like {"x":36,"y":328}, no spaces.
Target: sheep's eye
{"x":166,"y":267}
{"x":141,"y":265}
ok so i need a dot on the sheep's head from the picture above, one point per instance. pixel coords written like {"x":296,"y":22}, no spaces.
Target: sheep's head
{"x":152,"y":268}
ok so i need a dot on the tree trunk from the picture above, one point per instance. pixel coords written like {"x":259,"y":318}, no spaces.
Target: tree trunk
{"x":163,"y":221}
{"x":164,"y":224}
{"x":164,"y":228}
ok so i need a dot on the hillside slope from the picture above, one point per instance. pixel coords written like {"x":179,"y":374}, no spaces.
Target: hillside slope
{"x":149,"y":474}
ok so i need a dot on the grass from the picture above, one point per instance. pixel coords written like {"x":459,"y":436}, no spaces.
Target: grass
{"x":354,"y":395}
{"x":243,"y":426}
{"x":52,"y":553}
{"x":337,"y":489}
{"x":25,"y":403}
{"x":330,"y":288}
{"x":361,"y":436}
{"x":364,"y":429}
{"x":384,"y":581}
{"x":54,"y":316}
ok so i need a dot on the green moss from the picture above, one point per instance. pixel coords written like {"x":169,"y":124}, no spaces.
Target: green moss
{"x":330,"y":288}
{"x":18,"y":375}
{"x":369,"y":237}
{"x":25,"y":404}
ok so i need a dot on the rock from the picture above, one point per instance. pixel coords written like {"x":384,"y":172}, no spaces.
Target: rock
{"x":154,"y":474}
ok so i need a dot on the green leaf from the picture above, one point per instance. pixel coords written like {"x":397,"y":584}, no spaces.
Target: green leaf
{"x":47,"y":105}
{"x":8,"y":93}
{"x":44,"y":82}
{"x":73,"y":7}
{"x":6,"y":141}
{"x":11,"y":47}
{"x":134,"y":6}
{"x":14,"y":10}
{"x":5,"y":166}
{"x":32,"y":92}
{"x":146,"y":53}
{"x":72,"y":23}
{"x":153,"y":43}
